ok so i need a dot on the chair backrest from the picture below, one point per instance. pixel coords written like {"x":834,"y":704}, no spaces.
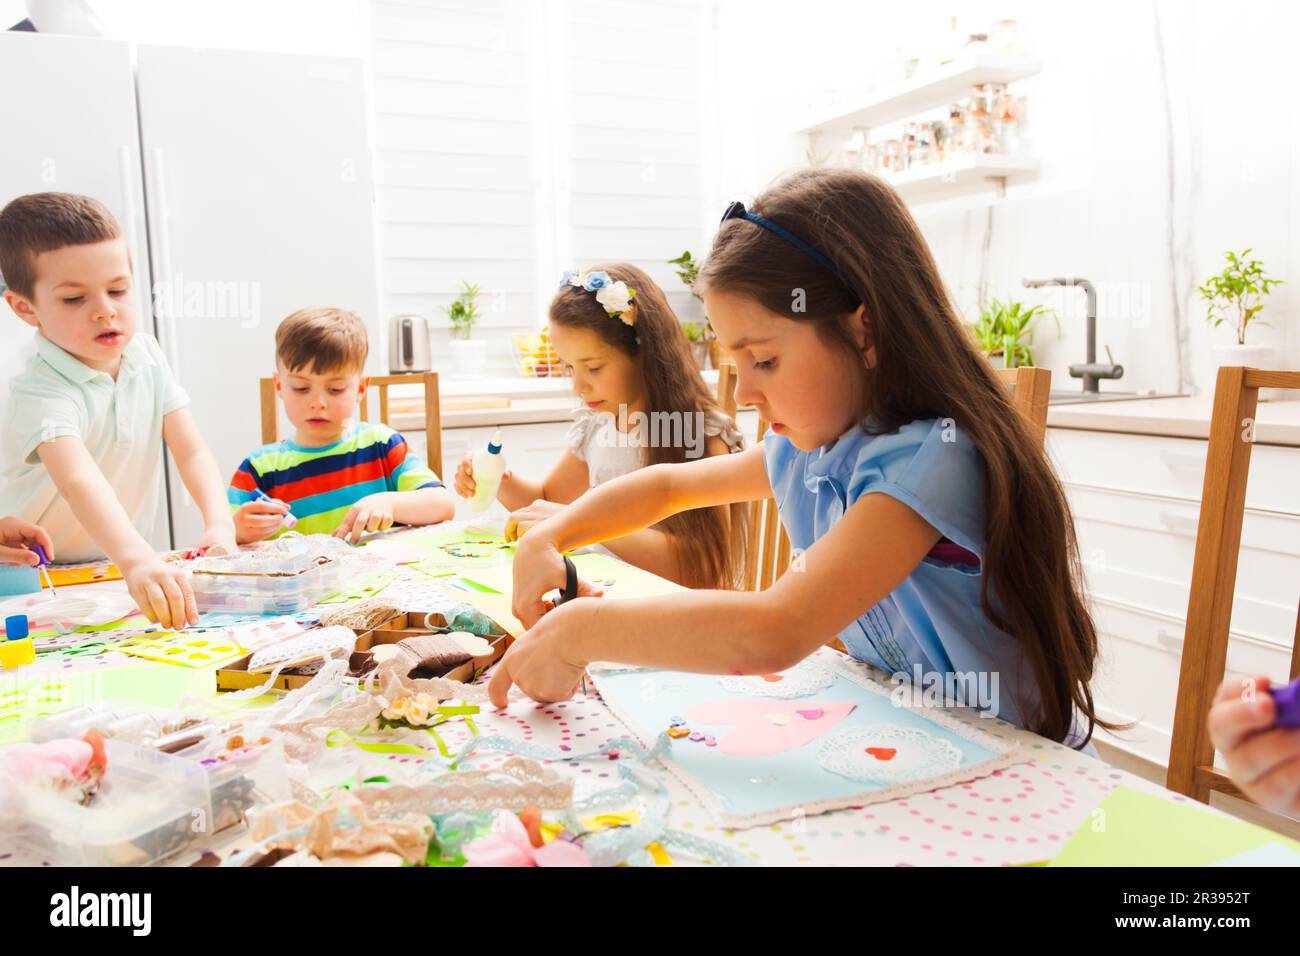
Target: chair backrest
{"x":432,"y":410}
{"x":1030,"y":387}
{"x":1214,"y":576}
{"x":767,"y":552}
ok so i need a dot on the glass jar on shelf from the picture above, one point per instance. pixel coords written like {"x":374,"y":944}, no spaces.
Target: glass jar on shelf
{"x":975,"y":135}
{"x":871,"y":158}
{"x":938,"y":134}
{"x":924,"y":154}
{"x":890,"y":157}
{"x":953,"y":132}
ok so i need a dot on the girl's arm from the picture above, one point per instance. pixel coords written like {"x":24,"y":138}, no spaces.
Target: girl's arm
{"x":626,"y":505}
{"x":862,"y":559}
{"x":655,"y":550}
{"x":567,"y":480}
{"x":198,"y":470}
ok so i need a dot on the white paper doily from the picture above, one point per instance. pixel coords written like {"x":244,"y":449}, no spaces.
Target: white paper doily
{"x":887,"y":753}
{"x":804,"y":679}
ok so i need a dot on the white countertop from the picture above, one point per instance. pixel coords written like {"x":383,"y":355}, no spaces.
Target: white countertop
{"x":536,"y":400}
{"x":532,"y":400}
{"x":1277,"y":423}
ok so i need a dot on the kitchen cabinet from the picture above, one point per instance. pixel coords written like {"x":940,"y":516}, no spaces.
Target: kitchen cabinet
{"x":1135,"y":501}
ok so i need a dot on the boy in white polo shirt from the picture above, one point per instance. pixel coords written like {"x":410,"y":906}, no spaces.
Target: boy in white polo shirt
{"x":90,"y":412}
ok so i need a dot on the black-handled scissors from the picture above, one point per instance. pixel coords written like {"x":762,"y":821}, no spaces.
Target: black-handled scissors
{"x":570,"y":583}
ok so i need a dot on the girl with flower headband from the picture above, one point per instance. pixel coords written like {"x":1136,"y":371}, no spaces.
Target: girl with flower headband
{"x":630,"y":361}
{"x":930,"y":532}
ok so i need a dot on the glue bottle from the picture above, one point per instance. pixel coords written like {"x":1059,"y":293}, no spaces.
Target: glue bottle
{"x":488,"y":467}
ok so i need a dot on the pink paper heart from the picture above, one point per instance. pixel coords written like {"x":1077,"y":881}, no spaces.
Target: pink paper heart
{"x":765,"y":727}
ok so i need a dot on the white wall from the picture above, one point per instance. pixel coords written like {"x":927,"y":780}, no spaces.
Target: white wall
{"x":1168,"y":132}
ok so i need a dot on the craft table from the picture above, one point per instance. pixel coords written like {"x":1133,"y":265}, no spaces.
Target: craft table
{"x":1022,"y":814}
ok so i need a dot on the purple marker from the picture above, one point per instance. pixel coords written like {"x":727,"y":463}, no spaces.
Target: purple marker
{"x":1287,"y":701}
{"x":289,"y":520}
{"x":42,"y":561}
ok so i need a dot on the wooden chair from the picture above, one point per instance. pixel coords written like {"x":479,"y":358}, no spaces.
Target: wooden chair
{"x":1031,"y":387}
{"x":1214,"y":576}
{"x":767,"y":553}
{"x":432,"y":410}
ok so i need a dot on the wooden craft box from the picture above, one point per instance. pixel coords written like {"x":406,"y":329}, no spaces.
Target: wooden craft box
{"x":235,"y":676}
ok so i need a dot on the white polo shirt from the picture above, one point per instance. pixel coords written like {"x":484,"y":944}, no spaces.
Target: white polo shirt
{"x":119,"y":421}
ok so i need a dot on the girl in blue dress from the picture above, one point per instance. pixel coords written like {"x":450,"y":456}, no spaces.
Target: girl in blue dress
{"x":929,"y":531}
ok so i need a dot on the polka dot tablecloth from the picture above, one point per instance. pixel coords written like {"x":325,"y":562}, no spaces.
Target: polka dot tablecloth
{"x":1022,"y":814}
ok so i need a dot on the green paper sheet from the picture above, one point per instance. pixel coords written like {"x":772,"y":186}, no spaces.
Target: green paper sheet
{"x":1135,"y":828}
{"x":617,"y":579}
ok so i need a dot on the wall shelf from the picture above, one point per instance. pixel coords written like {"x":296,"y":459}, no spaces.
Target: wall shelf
{"x":961,"y":175}
{"x":935,"y":88}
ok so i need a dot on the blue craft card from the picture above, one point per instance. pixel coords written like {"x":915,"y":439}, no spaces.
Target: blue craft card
{"x":649,"y":700}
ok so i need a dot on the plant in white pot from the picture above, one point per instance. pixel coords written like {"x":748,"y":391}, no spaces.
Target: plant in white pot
{"x":468,"y":357}
{"x":704,"y":342}
{"x":1236,"y":296}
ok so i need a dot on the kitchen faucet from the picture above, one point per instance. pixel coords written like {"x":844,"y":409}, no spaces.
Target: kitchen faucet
{"x":1091,"y":372}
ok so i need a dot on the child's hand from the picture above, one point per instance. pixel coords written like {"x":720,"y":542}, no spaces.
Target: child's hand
{"x":465,"y":484}
{"x":538,"y":663}
{"x":539,"y":568}
{"x":256,"y":520}
{"x":523,"y":519}
{"x":219,"y":539}
{"x":1262,"y":760}
{"x":371,"y":513}
{"x":17,"y":539}
{"x":163,"y":593}
{"x":464,"y":480}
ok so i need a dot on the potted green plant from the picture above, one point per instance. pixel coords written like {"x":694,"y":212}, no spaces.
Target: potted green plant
{"x":1006,"y":329}
{"x":1236,"y":297}
{"x":697,"y":335}
{"x":704,"y":343}
{"x":468,"y":357}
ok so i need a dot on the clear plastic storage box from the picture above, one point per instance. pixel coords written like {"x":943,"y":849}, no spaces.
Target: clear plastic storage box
{"x":280,"y":577}
{"x":149,"y":806}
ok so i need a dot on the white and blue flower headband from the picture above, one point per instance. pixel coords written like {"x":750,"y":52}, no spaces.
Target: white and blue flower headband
{"x":615,"y":297}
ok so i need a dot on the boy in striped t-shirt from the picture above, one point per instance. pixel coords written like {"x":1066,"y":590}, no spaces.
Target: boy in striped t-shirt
{"x":335,"y":476}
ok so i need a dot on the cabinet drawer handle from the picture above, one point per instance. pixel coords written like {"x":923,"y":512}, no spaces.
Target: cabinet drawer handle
{"x":1177,"y":522}
{"x":1174,"y":459}
{"x":1170,"y":640}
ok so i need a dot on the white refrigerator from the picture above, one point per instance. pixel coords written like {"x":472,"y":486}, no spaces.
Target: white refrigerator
{"x":243,"y":183}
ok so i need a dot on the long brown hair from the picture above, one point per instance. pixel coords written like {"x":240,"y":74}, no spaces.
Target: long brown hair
{"x":927,"y":366}
{"x":709,"y":540}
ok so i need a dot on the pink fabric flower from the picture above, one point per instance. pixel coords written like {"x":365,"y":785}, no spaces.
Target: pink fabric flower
{"x":508,"y":845}
{"x":55,"y":763}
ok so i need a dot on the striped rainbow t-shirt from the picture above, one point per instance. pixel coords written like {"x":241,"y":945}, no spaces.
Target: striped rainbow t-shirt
{"x":321,"y":484}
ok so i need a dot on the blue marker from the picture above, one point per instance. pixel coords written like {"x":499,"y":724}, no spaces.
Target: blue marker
{"x":289,"y":519}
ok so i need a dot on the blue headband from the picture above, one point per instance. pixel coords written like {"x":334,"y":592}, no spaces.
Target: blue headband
{"x":737,"y":210}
